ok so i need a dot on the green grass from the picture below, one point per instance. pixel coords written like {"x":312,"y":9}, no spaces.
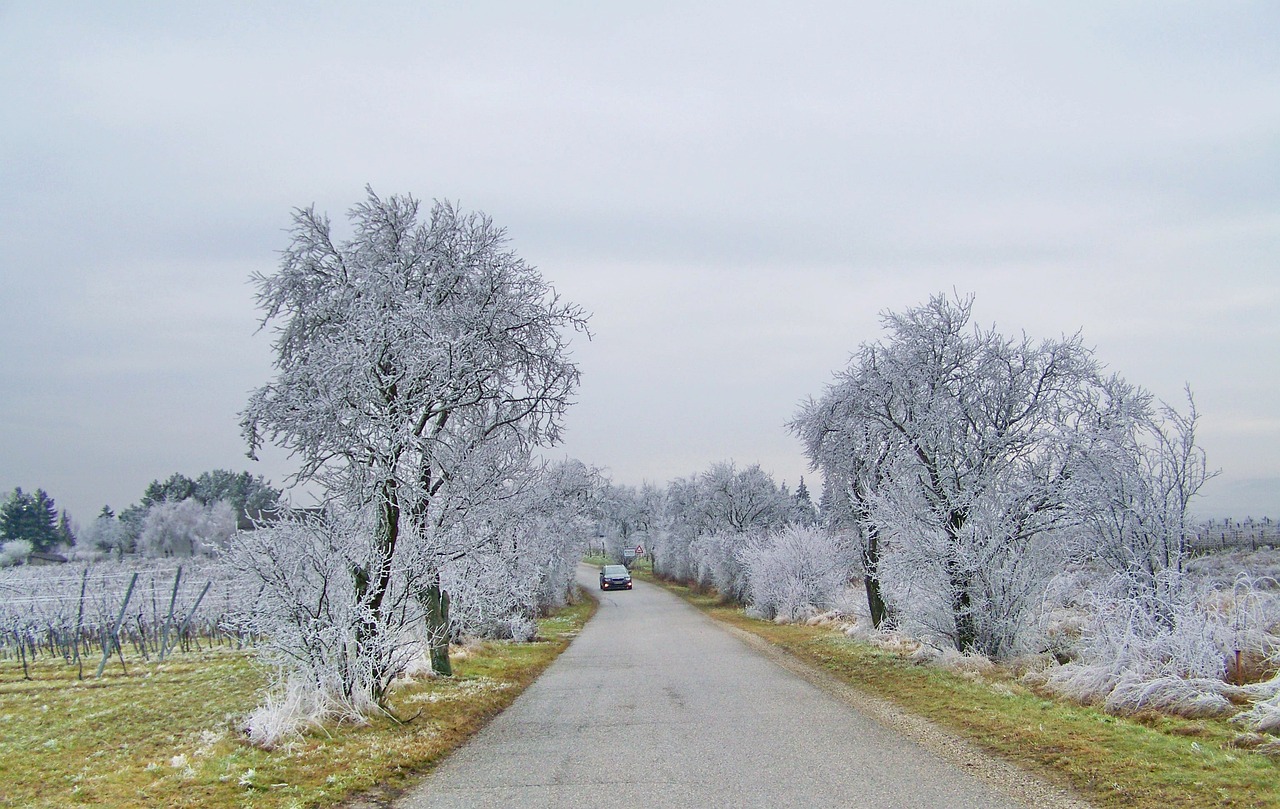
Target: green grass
{"x":165,"y":734}
{"x":1150,"y":760}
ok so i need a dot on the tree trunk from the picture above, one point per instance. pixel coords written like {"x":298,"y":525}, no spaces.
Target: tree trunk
{"x":871,"y":564}
{"x":962,"y":611}
{"x":961,"y":580}
{"x":371,"y":588}
{"x":438,"y":632}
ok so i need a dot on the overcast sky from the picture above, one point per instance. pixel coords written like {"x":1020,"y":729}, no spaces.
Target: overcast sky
{"x":735,"y":190}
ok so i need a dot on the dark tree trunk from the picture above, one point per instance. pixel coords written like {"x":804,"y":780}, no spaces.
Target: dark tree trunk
{"x":371,"y":584}
{"x":961,"y":581}
{"x":438,"y":630}
{"x":962,"y":610}
{"x":871,"y":564}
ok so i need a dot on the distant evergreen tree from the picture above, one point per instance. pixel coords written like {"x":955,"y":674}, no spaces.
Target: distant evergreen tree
{"x":247,"y":494}
{"x":66,"y":534}
{"x":131,"y":521}
{"x":31,"y":517}
{"x":177,"y":488}
{"x":803,"y":508}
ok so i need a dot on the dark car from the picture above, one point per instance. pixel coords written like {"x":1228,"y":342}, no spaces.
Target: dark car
{"x":615,"y":577}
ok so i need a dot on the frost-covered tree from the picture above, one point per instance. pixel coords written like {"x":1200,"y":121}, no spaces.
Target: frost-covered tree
{"x":417,"y":361}
{"x":712,"y":517}
{"x":853,"y":453}
{"x":187,"y":528}
{"x":629,"y":516}
{"x":526,"y":560}
{"x":737,"y":501}
{"x":672,"y":530}
{"x":107,"y":534}
{"x":980,"y":432}
{"x":1142,"y":475}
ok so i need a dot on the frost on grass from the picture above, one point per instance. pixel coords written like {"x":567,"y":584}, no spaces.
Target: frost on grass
{"x":296,"y":708}
{"x":1263,"y":716}
{"x":459,"y":690}
{"x":1167,"y":649}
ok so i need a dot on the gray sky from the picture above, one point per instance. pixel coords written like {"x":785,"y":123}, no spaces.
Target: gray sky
{"x":736,"y":190}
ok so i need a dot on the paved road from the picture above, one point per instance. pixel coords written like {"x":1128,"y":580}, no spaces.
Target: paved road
{"x":655,"y":706}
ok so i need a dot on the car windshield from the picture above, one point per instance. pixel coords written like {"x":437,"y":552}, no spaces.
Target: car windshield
{"x":615,"y":570}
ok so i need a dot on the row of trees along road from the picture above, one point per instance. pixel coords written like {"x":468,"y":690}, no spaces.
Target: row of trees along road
{"x":418,"y":365}
{"x":988,"y":462}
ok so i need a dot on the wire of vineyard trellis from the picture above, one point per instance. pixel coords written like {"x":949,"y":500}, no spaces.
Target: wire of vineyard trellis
{"x":80,"y":610}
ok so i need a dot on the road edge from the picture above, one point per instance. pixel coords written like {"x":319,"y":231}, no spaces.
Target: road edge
{"x":1010,"y":780}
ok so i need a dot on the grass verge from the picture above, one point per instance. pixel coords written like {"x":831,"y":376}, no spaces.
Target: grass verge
{"x":164,"y":734}
{"x":1150,"y":760}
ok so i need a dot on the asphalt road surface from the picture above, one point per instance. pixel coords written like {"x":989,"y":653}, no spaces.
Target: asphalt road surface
{"x":654,"y":705}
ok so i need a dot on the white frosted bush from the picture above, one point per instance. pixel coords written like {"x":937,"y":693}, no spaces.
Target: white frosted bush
{"x":1195,"y":697}
{"x":1265,"y":714}
{"x":795,"y":573}
{"x":292,"y":708}
{"x":671,"y":555}
{"x":527,"y":567}
{"x":718,"y":561}
{"x":187,"y":528}
{"x":15,"y":552}
{"x":1139,"y":651}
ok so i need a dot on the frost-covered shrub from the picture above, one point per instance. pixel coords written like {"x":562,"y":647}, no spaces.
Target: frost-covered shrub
{"x":491,"y":597}
{"x":187,"y":528}
{"x":524,"y":561}
{"x":106,"y":534}
{"x":717,"y":560}
{"x":671,"y":555}
{"x":795,"y":573}
{"x":1193,"y":697}
{"x":1265,"y":713}
{"x":293,"y":707}
{"x":15,"y":552}
{"x":1139,"y":651}
{"x":314,"y":628}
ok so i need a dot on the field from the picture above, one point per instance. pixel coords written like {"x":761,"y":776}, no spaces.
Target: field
{"x":89,"y":615}
{"x":154,"y":733}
